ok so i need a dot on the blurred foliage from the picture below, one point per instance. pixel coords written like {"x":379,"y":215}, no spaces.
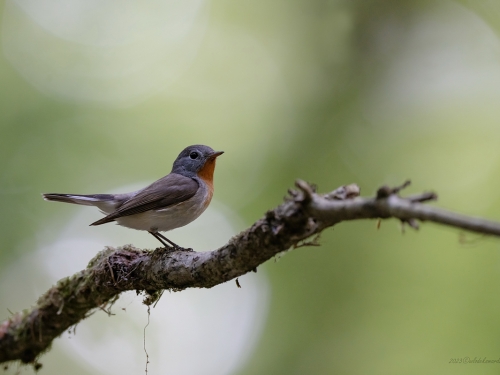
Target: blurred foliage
{"x":330,"y":91}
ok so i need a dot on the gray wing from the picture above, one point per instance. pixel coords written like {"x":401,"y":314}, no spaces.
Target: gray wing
{"x":167,"y":191}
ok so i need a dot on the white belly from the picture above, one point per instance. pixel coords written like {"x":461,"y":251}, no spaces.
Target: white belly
{"x":171,"y":217}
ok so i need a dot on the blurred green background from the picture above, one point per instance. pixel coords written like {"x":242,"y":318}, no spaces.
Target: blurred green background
{"x":100,"y":94}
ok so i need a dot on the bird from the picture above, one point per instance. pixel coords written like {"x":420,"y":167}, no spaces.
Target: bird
{"x":171,"y":202}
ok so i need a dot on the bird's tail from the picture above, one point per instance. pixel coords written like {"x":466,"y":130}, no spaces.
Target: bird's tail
{"x":87,"y":200}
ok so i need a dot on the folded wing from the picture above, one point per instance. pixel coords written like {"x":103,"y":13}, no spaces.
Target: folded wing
{"x":167,"y":191}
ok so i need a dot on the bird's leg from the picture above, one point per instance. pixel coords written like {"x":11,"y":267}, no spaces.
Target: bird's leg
{"x":157,"y":236}
{"x":162,"y":238}
{"x":166,"y":239}
{"x":177,"y":247}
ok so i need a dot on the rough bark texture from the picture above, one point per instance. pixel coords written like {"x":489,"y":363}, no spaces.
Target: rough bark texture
{"x":303,"y":214}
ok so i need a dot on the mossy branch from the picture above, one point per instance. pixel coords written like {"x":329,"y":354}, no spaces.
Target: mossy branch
{"x":303,"y":214}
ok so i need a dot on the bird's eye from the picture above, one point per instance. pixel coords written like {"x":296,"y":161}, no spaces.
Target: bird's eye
{"x":194,"y":155}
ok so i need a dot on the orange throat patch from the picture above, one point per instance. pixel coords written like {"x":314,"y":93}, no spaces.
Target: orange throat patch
{"x":206,"y":173}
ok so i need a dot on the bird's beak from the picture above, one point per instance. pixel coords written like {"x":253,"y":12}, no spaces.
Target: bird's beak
{"x":216,"y":154}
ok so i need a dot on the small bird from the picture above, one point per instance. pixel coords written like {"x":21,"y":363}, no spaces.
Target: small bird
{"x":171,"y":202}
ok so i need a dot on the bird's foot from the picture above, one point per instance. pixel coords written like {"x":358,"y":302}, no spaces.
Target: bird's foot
{"x":179,"y":248}
{"x":171,"y":249}
{"x":166,"y":249}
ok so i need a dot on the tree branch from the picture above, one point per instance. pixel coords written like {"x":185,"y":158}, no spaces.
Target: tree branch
{"x":26,"y":335}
